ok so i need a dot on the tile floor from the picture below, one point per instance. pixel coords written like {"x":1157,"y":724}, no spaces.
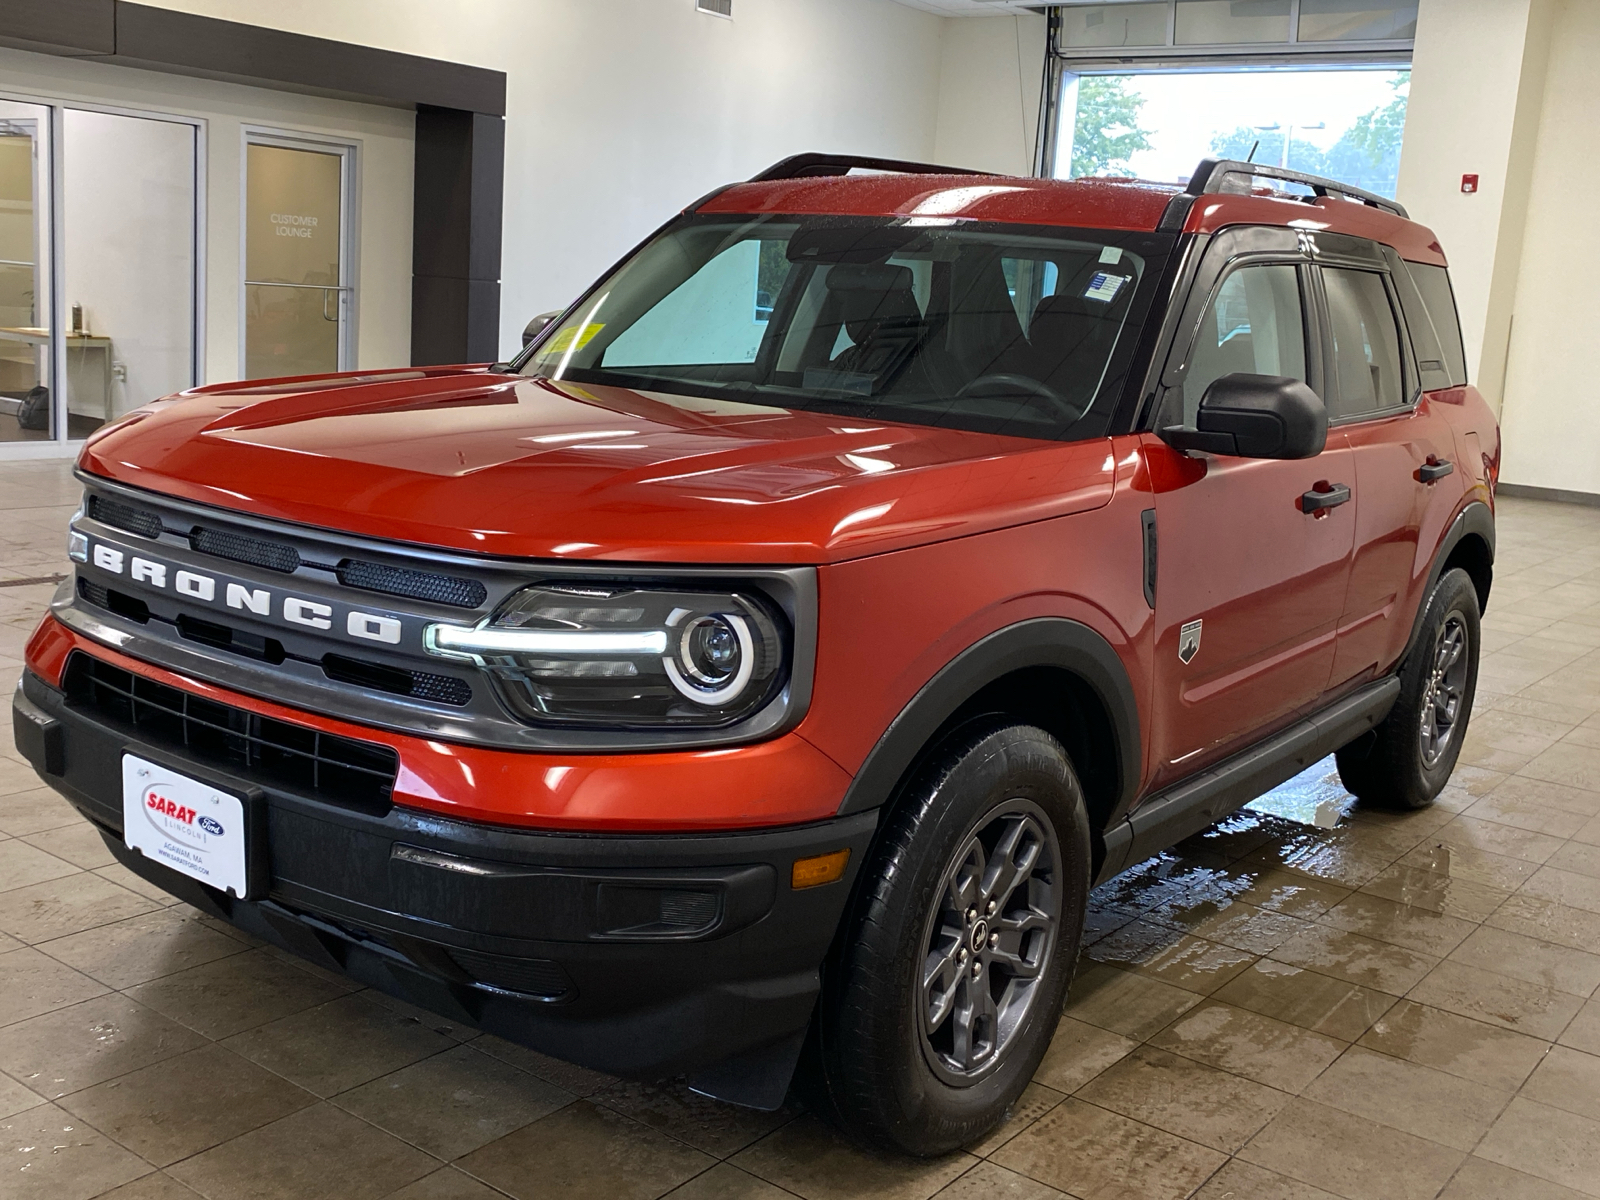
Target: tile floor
{"x":1307,"y":1001}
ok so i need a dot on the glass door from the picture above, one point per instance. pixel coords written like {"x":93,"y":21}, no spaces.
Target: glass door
{"x":129,"y":258}
{"x":297,"y":298}
{"x":28,"y":403}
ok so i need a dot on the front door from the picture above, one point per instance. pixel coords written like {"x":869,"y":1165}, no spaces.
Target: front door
{"x":1249,"y":584}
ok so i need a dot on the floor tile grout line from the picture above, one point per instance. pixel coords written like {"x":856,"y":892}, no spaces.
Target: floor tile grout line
{"x":1489,"y":1128}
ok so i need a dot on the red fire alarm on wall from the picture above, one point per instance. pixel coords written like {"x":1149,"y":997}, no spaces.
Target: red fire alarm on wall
{"x":1469,"y":183}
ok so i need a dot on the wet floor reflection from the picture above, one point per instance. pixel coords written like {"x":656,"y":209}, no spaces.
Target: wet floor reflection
{"x":1313,"y":797}
{"x":1203,"y":909}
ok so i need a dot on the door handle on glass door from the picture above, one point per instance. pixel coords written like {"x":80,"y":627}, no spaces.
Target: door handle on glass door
{"x":1324,"y":495}
{"x":1434,"y":469}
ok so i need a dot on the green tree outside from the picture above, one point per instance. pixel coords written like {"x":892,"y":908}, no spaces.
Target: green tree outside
{"x":1367,"y":154}
{"x":1377,"y":134}
{"x":1107,"y":131}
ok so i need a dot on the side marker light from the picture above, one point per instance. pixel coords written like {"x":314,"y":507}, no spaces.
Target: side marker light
{"x":819,"y":869}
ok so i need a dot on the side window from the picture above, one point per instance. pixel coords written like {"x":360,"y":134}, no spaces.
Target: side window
{"x":1029,"y":280}
{"x":1255,"y":323}
{"x":1430,"y":354}
{"x":1366,"y":344}
{"x":1434,"y":284}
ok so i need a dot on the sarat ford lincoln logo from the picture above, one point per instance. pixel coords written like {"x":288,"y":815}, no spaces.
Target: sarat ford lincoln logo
{"x":296,"y":610}
{"x":178,"y":821}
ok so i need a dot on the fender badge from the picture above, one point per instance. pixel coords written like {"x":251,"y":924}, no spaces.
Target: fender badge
{"x":1189,"y":641}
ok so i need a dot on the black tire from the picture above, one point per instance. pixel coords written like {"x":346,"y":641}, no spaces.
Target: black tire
{"x":884,"y":1063}
{"x":1406,"y":761}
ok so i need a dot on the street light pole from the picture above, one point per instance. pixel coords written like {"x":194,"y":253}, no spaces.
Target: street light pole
{"x":1288,"y":136}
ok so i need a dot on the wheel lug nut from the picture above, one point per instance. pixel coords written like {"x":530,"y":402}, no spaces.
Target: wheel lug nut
{"x":992,"y":906}
{"x":977,"y":970}
{"x":962,"y":956}
{"x":994,"y":940}
{"x":972,"y":915}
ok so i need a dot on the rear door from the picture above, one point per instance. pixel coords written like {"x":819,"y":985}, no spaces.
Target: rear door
{"x":1405,"y":480}
{"x":1249,"y":585}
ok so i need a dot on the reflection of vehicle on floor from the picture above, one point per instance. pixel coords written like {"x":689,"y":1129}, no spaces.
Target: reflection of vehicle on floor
{"x":700,"y":694}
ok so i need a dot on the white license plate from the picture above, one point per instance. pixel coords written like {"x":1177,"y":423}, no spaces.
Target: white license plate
{"x":184,"y":824}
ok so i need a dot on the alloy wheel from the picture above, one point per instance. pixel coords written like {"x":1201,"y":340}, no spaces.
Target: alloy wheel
{"x":1446,"y":689}
{"x":989,"y":940}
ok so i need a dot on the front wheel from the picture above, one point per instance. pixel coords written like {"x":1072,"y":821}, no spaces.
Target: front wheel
{"x":1406,"y":761}
{"x":942,"y":1000}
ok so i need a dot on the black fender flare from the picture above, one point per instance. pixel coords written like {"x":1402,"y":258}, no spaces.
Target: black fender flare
{"x":1476,"y":518}
{"x":1039,"y":642}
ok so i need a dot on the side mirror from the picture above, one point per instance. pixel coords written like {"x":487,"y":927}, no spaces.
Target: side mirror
{"x":536,"y":326}
{"x":1255,"y":416}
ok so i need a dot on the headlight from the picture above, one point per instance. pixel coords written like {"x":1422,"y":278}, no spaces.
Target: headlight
{"x":625,"y":656}
{"x":77,"y":543}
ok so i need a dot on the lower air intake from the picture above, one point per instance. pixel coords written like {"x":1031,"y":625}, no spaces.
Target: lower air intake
{"x":531,"y":976}
{"x":336,"y":769}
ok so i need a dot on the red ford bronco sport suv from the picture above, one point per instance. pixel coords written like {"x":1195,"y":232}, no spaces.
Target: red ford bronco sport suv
{"x":764,"y":666}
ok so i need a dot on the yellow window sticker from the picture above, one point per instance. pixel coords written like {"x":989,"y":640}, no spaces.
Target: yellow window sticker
{"x":575,"y":337}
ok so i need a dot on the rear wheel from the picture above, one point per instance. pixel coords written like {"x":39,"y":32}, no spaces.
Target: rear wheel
{"x":943,"y":997}
{"x":1406,"y":761}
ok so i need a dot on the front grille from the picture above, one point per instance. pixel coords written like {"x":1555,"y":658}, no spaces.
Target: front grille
{"x":419,"y":585}
{"x":274,"y":556}
{"x":398,"y":681}
{"x":125,"y":516}
{"x":531,"y":976}
{"x":337,"y":769}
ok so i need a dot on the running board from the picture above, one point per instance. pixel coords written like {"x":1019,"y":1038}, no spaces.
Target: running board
{"x":1168,"y":817}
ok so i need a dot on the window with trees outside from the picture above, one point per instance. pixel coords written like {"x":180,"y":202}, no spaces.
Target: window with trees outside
{"x":1158,"y":124}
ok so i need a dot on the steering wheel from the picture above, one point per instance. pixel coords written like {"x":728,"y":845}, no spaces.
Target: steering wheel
{"x":1010,"y":383}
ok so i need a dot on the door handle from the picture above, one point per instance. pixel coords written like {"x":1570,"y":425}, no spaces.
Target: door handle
{"x":1434,"y":469}
{"x":1324,"y":495}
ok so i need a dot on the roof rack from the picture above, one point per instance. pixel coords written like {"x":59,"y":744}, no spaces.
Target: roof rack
{"x":1230,"y":175}
{"x":798,"y":166}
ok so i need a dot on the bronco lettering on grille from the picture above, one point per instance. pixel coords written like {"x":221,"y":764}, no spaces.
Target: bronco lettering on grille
{"x":296,"y":610}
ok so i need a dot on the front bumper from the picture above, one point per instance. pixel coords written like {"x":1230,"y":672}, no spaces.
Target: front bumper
{"x":640,"y":955}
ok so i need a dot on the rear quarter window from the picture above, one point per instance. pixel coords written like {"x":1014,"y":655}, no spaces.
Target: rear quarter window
{"x":1433,"y":285}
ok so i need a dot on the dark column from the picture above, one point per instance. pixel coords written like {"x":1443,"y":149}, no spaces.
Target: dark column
{"x":455,"y":249}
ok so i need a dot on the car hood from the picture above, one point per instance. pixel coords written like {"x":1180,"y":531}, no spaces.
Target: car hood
{"x":473,"y":461}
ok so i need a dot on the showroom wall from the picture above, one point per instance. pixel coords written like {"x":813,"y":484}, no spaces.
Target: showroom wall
{"x":621,"y":112}
{"x":1509,"y":90}
{"x":384,"y":137}
{"x":1480,"y":120}
{"x":990,"y":71}
{"x":1551,"y":419}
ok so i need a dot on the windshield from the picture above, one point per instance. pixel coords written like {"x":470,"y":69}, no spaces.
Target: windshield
{"x":1002,"y":328}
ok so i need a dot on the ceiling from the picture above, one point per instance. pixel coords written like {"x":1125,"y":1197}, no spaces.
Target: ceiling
{"x":973,"y":8}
